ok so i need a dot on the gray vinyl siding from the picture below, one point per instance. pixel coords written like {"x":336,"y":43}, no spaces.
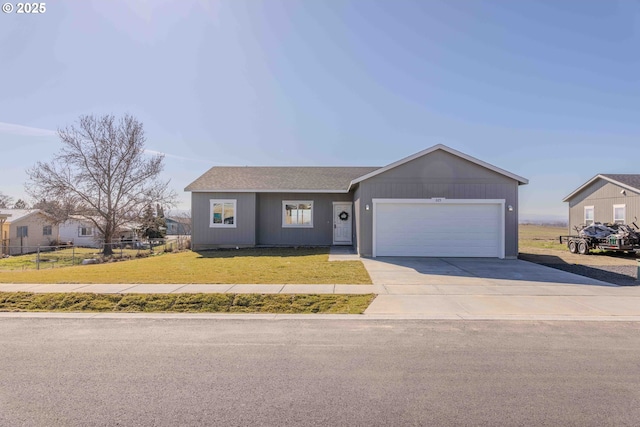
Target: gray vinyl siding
{"x":205,"y":237}
{"x":357,"y":208}
{"x":438,"y":174}
{"x":269,"y":219}
{"x":602,"y":195}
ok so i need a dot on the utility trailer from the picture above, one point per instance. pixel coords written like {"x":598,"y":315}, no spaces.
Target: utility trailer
{"x":606,"y":237}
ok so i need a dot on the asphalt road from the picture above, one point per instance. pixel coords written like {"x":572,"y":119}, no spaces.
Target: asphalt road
{"x":145,"y":372}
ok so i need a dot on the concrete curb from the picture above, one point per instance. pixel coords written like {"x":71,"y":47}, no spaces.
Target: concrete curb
{"x":312,"y":317}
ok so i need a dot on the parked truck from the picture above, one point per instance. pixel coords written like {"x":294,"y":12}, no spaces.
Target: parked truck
{"x":606,"y":237}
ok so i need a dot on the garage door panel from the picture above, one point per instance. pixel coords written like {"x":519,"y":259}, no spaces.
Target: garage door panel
{"x":428,"y":229}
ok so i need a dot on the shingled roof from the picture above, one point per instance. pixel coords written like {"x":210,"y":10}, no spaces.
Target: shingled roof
{"x":18,"y":214}
{"x":632,"y":180}
{"x":629,"y":181}
{"x":278,"y":179}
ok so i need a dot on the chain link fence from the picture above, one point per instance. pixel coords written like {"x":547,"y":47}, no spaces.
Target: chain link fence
{"x":55,"y":256}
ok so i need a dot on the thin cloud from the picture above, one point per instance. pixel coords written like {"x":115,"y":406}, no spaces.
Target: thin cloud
{"x":13,"y":129}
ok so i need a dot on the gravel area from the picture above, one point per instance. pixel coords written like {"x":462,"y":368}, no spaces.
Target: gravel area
{"x":622,"y":275}
{"x":617,"y":269}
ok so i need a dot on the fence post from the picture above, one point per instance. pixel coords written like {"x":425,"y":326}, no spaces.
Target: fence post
{"x":73,"y":254}
{"x":38,"y":258}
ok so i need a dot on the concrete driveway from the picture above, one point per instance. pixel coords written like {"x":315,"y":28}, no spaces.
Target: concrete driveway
{"x":473,"y":288}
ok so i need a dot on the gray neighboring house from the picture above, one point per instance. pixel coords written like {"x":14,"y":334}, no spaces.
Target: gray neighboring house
{"x":438,"y":202}
{"x":178,"y":226}
{"x":605,"y":198}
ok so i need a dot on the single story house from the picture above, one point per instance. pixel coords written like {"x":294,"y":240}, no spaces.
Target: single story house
{"x":605,"y":198}
{"x":178,"y":226}
{"x":438,"y":202}
{"x":24,"y":230}
{"x":80,"y":231}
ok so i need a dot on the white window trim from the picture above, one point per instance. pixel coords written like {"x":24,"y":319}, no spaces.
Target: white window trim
{"x":296,"y":202}
{"x":624,"y":217}
{"x":584,"y":215}
{"x":235,"y":213}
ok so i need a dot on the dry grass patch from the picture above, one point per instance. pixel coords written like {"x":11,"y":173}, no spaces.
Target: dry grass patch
{"x":541,"y":237}
{"x":185,"y":303}
{"x":244,"y":266}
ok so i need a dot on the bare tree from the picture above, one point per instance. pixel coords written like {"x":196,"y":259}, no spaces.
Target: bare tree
{"x":104,"y":173}
{"x":59,"y":210}
{"x":20,"y":204}
{"x":5,"y":201}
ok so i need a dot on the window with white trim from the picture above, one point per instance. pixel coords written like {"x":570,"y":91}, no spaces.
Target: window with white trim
{"x":47,"y":230}
{"x":619,"y":214}
{"x":222,"y":213}
{"x":588,"y":215}
{"x":85,"y":231}
{"x":296,"y":213}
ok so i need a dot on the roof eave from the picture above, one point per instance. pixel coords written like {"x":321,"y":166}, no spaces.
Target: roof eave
{"x":333,"y":191}
{"x":521,"y":180}
{"x":15,"y":219}
{"x":592,"y":180}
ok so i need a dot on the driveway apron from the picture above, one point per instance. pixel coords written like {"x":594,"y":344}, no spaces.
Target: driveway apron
{"x":472,"y":287}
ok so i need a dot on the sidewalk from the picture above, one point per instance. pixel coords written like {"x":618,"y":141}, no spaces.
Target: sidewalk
{"x":191,"y":289}
{"x":444,"y":301}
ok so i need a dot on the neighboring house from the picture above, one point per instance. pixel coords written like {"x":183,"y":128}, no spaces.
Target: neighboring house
{"x":178,"y":226}
{"x":24,"y":230}
{"x":438,"y":202}
{"x":605,"y":198}
{"x":129,"y":231}
{"x":80,"y":231}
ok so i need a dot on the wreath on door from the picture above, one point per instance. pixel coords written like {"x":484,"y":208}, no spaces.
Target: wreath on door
{"x":343,"y":216}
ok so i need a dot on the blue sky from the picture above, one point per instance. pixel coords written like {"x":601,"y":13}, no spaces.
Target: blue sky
{"x":548,"y":90}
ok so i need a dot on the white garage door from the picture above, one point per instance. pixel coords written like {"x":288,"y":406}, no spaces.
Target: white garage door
{"x":444,"y":228}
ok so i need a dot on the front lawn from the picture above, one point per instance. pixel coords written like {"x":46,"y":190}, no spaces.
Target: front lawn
{"x":244,"y":266}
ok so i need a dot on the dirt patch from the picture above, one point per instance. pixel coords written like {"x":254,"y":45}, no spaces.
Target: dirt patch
{"x":566,"y":257}
{"x":617,"y":268}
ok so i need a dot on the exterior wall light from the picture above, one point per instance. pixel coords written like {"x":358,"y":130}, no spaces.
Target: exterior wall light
{"x":510,"y":208}
{"x":366,"y":207}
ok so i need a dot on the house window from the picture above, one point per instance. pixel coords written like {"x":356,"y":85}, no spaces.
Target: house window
{"x":297,"y":213}
{"x":46,"y":230}
{"x":588,"y":215}
{"x":85,"y":231}
{"x":618,"y":214}
{"x":223,"y":213}
{"x":23,"y":231}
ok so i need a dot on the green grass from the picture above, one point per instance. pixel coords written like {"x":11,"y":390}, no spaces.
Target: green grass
{"x":541,"y":237}
{"x":185,"y":303}
{"x":244,"y":266}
